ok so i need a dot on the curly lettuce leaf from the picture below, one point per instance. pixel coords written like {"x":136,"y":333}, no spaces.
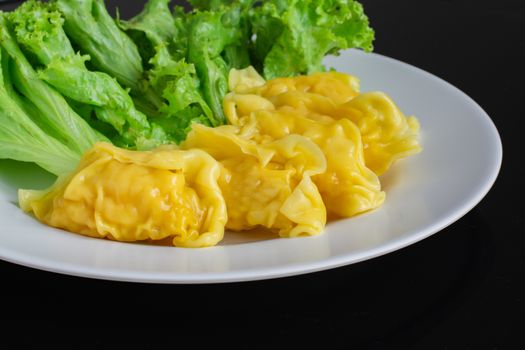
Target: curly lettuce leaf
{"x":152,"y":27}
{"x":179,"y":125}
{"x":38,"y":28}
{"x":179,"y":85}
{"x":216,"y":4}
{"x":94,"y":31}
{"x":179,"y":44}
{"x":293,"y":36}
{"x":210,"y":34}
{"x":54,"y":113}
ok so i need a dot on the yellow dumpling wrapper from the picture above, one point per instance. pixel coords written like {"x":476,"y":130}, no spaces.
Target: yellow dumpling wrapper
{"x":134,"y":196}
{"x":266,"y":185}
{"x":348,"y":187}
{"x":388,"y":135}
{"x":242,"y":80}
{"x":338,"y":87}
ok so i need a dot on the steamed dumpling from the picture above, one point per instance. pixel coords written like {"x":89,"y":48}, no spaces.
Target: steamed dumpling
{"x":299,"y":106}
{"x":347,"y":186}
{"x":266,"y":185}
{"x":134,"y":196}
{"x":388,"y":135}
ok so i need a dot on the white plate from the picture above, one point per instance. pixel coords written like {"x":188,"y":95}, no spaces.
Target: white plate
{"x":461,"y":159}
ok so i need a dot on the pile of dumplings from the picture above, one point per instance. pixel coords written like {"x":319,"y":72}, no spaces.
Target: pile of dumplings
{"x":296,"y":152}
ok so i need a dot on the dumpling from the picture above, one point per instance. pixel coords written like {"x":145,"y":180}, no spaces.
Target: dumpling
{"x":388,"y":135}
{"x":266,"y":185}
{"x":347,"y":186}
{"x":133,"y":196}
{"x":291,"y":106}
{"x":337,"y":87}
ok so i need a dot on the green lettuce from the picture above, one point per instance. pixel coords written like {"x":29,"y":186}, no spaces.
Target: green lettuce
{"x":21,"y":138}
{"x":278,"y":37}
{"x":170,"y":74}
{"x":51,"y":111}
{"x":179,"y":86}
{"x":216,"y":4}
{"x":293,"y":36}
{"x":152,"y":27}
{"x":36,"y":123}
{"x":38,"y":28}
{"x":95,"y":32}
{"x":174,"y":63}
{"x":210,"y":35}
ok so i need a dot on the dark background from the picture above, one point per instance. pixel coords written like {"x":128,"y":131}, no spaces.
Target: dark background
{"x":459,"y":289}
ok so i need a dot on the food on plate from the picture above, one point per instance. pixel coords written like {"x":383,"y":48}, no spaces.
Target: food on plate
{"x":38,"y":29}
{"x":175,"y":63}
{"x":293,"y":37}
{"x":268,"y":185}
{"x":37,"y":123}
{"x":89,"y":27}
{"x":388,"y":135}
{"x":178,"y":125}
{"x":134,"y":196}
{"x":358,"y":133}
{"x":23,"y":139}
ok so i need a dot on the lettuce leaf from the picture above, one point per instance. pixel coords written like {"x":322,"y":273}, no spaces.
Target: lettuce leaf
{"x":22,"y":139}
{"x":174,"y":63}
{"x":293,"y":36}
{"x":94,"y":31}
{"x":38,"y":28}
{"x":152,"y":27}
{"x":51,"y":110}
{"x":36,"y":123}
{"x":216,"y":4}
{"x":179,"y":85}
{"x":210,"y":34}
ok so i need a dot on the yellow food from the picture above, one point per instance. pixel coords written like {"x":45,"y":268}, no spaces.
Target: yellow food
{"x":266,"y":185}
{"x":133,"y":196}
{"x":309,"y":106}
{"x":297,"y":150}
{"x":387,"y":134}
{"x":347,"y":186}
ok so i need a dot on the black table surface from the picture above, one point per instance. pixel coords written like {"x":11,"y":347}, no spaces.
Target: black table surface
{"x":462,"y":288}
